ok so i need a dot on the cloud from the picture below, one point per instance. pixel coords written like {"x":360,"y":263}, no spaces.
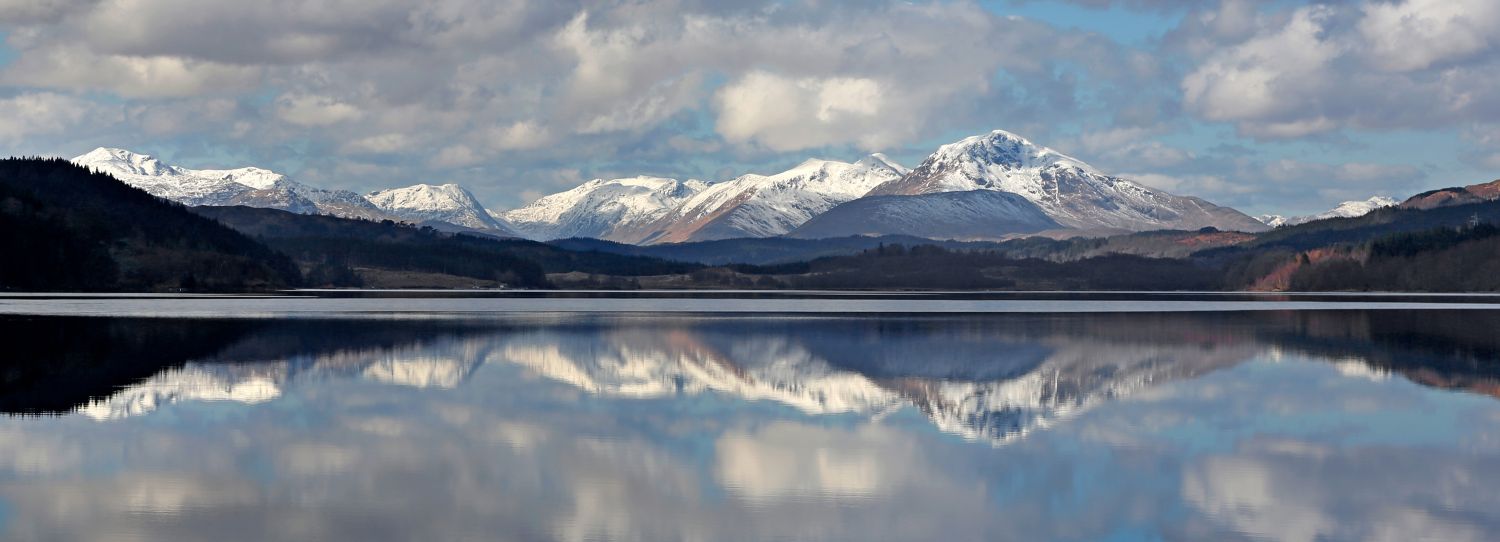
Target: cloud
{"x":786,"y":114}
{"x":1262,"y":78}
{"x":422,"y":91}
{"x":378,"y":144}
{"x":1417,"y":34}
{"x":1124,"y":148}
{"x":39,"y":11}
{"x":1409,"y":64}
{"x":41,"y":113}
{"x":522,"y":135}
{"x":307,"y":110}
{"x":71,"y":68}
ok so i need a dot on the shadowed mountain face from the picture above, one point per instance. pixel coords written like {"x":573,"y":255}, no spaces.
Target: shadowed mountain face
{"x":992,"y":378}
{"x":1069,"y":191}
{"x":975,"y":214}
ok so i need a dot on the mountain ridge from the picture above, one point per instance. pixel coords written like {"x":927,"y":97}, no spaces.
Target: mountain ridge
{"x":263,"y":188}
{"x":1070,"y":191}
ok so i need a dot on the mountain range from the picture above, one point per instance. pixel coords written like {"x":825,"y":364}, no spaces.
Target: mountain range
{"x":990,"y":186}
{"x":447,"y":204}
{"x":1348,"y":209}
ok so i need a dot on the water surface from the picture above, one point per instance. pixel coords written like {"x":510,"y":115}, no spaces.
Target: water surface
{"x":1268,"y":424}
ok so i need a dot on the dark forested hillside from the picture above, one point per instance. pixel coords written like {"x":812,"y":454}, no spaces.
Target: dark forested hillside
{"x":327,"y":246}
{"x":66,"y":228}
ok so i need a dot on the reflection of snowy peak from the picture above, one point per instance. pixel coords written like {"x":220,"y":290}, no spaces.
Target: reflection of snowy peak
{"x":441,"y":366}
{"x":1071,"y":379}
{"x":190,"y":383}
{"x":995,"y":390}
{"x":642,"y":366}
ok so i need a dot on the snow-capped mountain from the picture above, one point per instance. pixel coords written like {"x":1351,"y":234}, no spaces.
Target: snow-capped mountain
{"x":616,"y":210}
{"x":448,"y":203}
{"x":1272,"y":220}
{"x":1071,"y":192}
{"x":248,"y":186}
{"x":975,"y":214}
{"x":166,"y":181}
{"x":1348,"y":209}
{"x":770,"y":205}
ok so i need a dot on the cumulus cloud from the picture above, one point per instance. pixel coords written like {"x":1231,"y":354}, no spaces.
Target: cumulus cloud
{"x":789,"y":114}
{"x":1128,"y":147}
{"x":1323,"y":68}
{"x":41,"y":113}
{"x":307,"y":110}
{"x":502,"y":96}
{"x":72,"y":68}
{"x":1416,"y":34}
{"x":1262,"y":78}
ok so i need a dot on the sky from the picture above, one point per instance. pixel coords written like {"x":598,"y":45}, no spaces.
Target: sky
{"x":1270,"y":106}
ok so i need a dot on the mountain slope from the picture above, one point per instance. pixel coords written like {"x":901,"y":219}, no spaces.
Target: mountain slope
{"x":769,"y":205}
{"x":249,"y":186}
{"x":368,"y":246}
{"x":1071,"y":192}
{"x":69,"y":228}
{"x":1348,"y":209}
{"x":616,"y":210}
{"x":449,"y":203}
{"x":1448,"y":197}
{"x":975,"y":214}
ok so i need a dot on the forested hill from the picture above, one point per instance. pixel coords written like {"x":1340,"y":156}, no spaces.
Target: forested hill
{"x":353,"y":252}
{"x":67,"y":228}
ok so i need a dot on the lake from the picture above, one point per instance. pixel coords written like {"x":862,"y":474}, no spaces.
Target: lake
{"x":721,"y":416}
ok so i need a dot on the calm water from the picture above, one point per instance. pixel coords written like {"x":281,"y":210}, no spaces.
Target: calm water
{"x":471,"y":424}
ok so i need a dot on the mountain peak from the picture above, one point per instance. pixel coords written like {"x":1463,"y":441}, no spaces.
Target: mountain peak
{"x":115,"y":160}
{"x":448,"y":202}
{"x":1348,"y":209}
{"x":881,"y":161}
{"x":614,"y":209}
{"x":1007,"y":149}
{"x":1070,"y":191}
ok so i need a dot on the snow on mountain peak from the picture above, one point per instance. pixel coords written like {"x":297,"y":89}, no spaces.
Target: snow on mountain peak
{"x":1348,"y":209}
{"x":449,"y":203}
{"x":878,"y":160}
{"x":112,"y":160}
{"x":767,"y":205}
{"x":1008,"y":149}
{"x":1070,"y":191}
{"x":614,"y":209}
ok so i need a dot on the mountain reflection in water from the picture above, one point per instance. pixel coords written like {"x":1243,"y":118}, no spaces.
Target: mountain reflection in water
{"x":768,"y":412}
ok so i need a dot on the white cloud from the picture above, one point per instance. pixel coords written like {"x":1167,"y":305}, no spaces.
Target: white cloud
{"x":786,"y":114}
{"x":1371,"y":65}
{"x":41,"y":113}
{"x":521,"y":135}
{"x":378,"y":144}
{"x":1266,"y":77}
{"x":73,"y":68}
{"x":1416,"y":34}
{"x":1126,"y":148}
{"x":309,"y":110}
